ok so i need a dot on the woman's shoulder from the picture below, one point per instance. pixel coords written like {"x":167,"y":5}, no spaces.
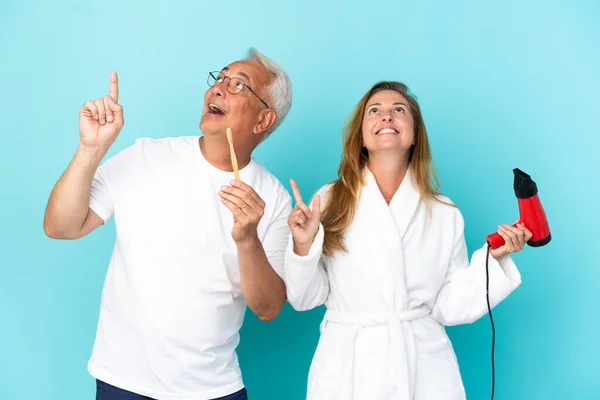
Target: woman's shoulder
{"x":323,"y":193}
{"x":325,"y":189}
{"x":445,"y":209}
{"x":445,"y":205}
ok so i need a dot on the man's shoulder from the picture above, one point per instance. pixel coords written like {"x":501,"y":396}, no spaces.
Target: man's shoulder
{"x":144,"y":151}
{"x":167,"y":143}
{"x":270,"y":182}
{"x":156,"y":147}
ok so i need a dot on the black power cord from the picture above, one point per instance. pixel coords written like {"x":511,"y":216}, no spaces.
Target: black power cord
{"x":487,"y":290}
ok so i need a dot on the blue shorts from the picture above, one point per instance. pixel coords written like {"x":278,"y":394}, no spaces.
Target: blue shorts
{"x":104,"y":391}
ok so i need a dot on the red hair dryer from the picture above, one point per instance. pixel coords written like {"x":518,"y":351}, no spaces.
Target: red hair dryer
{"x":532,"y":214}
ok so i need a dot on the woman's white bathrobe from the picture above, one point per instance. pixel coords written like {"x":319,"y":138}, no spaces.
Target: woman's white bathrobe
{"x":405,"y":276}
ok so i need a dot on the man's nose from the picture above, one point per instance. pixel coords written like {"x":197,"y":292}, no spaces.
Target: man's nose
{"x":220,"y":88}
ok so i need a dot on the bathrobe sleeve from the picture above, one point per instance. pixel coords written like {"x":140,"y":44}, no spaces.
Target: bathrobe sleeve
{"x":306,"y":278}
{"x":462,"y":297}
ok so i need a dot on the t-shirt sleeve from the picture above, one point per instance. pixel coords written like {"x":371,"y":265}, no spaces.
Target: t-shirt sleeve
{"x":277,"y":234}
{"x":101,"y":198}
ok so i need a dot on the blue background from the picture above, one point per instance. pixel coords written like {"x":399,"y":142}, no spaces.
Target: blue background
{"x":501,"y":85}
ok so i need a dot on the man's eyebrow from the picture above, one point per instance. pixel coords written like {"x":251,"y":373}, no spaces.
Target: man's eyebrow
{"x":244,"y":75}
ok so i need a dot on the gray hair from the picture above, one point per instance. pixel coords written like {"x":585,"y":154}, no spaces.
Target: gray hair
{"x":279,"y":91}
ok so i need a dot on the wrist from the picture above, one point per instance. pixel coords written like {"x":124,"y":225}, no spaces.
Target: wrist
{"x":88,"y":157}
{"x":302,"y":249}
{"x":308,"y":242}
{"x":249,"y":242}
{"x":499,"y":256}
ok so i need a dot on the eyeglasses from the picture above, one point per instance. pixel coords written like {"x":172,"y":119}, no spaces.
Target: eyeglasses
{"x":234,"y":86}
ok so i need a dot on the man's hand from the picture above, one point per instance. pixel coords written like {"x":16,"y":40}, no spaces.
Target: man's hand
{"x":247,"y":208}
{"x":101,"y":121}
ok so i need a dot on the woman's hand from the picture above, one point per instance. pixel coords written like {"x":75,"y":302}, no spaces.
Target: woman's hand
{"x":514,"y":237}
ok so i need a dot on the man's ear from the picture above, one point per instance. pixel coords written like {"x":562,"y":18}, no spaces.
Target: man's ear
{"x":266,"y":119}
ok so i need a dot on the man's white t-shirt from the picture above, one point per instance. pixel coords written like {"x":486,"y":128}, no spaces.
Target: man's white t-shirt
{"x":171,"y":303}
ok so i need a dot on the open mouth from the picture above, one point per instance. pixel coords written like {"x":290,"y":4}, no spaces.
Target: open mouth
{"x":386,"y":131}
{"x":215,"y":109}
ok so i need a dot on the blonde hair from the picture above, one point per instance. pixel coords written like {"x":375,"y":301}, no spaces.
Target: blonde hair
{"x":337,"y":214}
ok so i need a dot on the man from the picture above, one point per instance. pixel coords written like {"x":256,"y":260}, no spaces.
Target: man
{"x":192,"y":248}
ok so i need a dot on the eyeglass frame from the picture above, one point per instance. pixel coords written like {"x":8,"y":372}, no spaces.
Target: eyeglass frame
{"x":210,"y":74}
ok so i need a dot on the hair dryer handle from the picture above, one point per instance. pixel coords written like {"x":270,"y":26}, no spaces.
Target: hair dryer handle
{"x":495,"y":240}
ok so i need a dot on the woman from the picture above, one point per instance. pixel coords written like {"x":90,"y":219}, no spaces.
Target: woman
{"x":386,"y":254}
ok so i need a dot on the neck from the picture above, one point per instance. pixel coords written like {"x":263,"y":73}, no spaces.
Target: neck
{"x":215,"y":150}
{"x":389,"y":171}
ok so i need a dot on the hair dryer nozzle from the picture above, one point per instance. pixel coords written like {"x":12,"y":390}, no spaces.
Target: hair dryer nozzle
{"x":524,"y":186}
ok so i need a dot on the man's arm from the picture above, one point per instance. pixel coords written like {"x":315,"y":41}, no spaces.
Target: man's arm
{"x":262,"y":287}
{"x":68,"y":215}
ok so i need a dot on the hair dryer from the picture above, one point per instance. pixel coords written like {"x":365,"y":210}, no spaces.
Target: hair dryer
{"x":532,"y":214}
